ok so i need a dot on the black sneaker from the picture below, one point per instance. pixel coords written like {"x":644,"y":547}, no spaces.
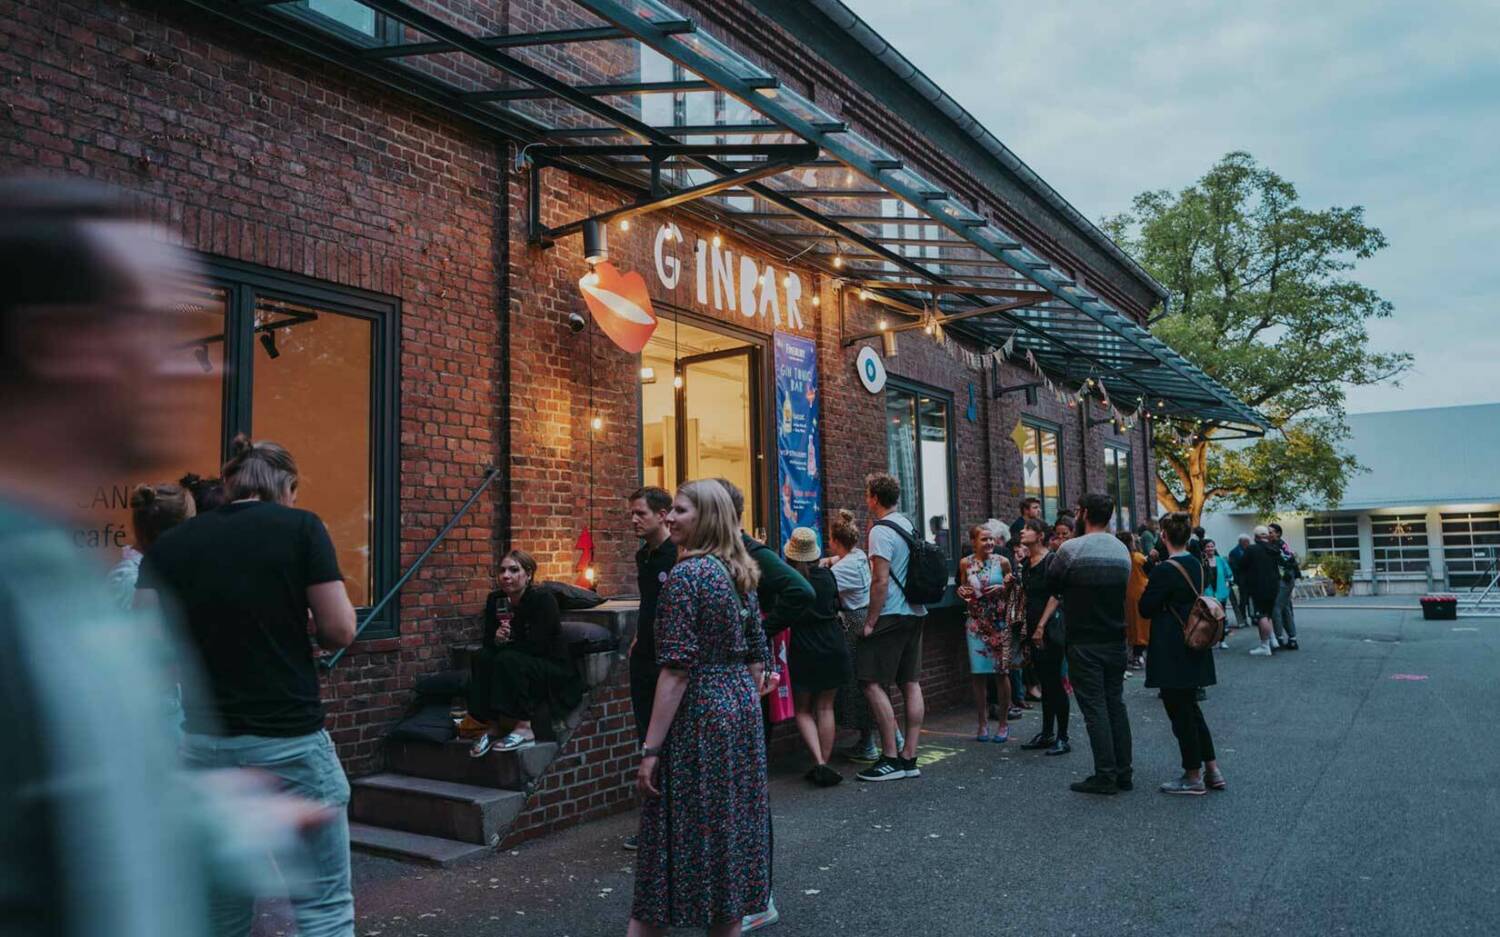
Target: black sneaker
{"x":884,"y":769}
{"x":1039,"y":741}
{"x":1061,"y":748}
{"x":910,"y":766}
{"x":1291,"y":644}
{"x":1125,"y":781}
{"x":824,"y":776}
{"x":1094,"y":784}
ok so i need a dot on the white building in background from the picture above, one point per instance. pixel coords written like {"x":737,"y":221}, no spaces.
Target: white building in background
{"x":1424,"y":516}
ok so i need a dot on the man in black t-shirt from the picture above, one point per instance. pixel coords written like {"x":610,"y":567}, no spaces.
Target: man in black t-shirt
{"x":653,"y":562}
{"x":244,"y":580}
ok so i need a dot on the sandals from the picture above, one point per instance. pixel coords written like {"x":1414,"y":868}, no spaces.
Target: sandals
{"x":513,"y":742}
{"x":516,"y":741}
{"x":481,"y":746}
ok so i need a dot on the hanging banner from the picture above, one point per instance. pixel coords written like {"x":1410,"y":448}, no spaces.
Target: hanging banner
{"x":799,"y":492}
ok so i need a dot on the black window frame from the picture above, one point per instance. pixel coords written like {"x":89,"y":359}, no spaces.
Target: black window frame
{"x":1469,"y":553}
{"x":1123,"y":479}
{"x":243,"y":284}
{"x":1331,"y":529}
{"x":1400,"y":559}
{"x":1037,"y":424}
{"x":387,"y":28}
{"x":917,"y":391}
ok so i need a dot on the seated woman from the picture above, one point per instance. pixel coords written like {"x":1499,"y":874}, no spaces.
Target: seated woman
{"x":524,"y":663}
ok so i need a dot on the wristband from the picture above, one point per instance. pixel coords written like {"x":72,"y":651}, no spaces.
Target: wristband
{"x":648,"y":752}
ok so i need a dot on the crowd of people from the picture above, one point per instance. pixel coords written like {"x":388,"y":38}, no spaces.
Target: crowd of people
{"x":1051,"y":613}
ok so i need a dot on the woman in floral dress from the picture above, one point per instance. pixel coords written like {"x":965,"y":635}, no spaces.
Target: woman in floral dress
{"x":704,"y":855}
{"x":986,"y":587}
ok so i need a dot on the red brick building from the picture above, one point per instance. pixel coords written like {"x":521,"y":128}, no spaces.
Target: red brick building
{"x":387,"y":196}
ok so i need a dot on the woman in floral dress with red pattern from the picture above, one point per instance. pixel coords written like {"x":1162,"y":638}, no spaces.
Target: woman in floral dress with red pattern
{"x":704,"y":856}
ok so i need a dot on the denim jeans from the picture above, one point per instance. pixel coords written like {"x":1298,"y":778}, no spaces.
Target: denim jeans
{"x":322,"y":900}
{"x":1281,"y":613}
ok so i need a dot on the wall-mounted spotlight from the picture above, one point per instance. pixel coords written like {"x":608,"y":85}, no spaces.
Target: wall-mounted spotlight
{"x":888,"y":344}
{"x":595,"y":243}
{"x":201,"y":353}
{"x":268,"y":342}
{"x":576,"y":323}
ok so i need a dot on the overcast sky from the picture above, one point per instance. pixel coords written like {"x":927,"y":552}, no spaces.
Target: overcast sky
{"x":1393,"y":106}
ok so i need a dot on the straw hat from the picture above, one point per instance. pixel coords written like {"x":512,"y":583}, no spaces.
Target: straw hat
{"x":803,"y":545}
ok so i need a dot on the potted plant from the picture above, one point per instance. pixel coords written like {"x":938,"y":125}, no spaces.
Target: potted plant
{"x":1440,"y":606}
{"x":1338,"y":569}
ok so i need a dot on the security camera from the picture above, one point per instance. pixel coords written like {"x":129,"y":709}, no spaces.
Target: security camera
{"x":576,"y":322}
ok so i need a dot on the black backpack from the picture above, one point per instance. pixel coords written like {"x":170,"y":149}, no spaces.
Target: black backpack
{"x":926,"y":570}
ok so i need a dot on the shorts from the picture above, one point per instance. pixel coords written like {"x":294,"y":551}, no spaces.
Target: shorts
{"x":1262,"y":607}
{"x":893,"y":654}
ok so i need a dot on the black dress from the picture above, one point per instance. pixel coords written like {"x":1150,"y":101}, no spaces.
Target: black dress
{"x":817,"y":654}
{"x":514,"y":679}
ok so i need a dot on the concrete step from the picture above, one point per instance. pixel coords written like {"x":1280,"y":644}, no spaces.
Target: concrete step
{"x":464,"y":812}
{"x":450,"y":761}
{"x":412,"y":847}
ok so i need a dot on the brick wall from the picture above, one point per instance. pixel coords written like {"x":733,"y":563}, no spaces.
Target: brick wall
{"x":243,"y":150}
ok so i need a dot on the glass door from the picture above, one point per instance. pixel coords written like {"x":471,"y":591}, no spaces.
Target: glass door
{"x":717,"y":420}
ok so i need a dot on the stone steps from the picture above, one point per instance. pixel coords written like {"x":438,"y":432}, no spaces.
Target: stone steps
{"x":412,"y":847}
{"x":437,"y":806}
{"x":463,"y":812}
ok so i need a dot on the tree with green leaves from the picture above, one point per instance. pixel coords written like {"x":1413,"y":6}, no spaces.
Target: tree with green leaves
{"x":1262,"y":299}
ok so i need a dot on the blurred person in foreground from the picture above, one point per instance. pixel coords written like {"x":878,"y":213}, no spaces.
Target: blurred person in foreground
{"x":245,"y":579}
{"x":99,"y":835}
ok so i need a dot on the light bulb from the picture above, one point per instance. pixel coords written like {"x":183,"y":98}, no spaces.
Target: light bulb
{"x":624,"y":224}
{"x":677,"y":382}
{"x":838,"y":260}
{"x":817,"y":301}
{"x":717,"y":241}
{"x":589,"y":574}
{"x":597,"y":423}
{"x":787,"y":280}
{"x":882,"y":326}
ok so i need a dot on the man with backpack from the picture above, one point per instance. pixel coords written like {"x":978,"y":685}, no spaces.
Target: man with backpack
{"x":890,"y":647}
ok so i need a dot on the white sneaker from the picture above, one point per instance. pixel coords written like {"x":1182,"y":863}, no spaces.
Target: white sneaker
{"x":1260,"y":650}
{"x":1275,"y":642}
{"x":763,"y":919}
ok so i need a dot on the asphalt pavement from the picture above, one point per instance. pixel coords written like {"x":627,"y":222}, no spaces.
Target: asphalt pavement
{"x":1362,"y":800}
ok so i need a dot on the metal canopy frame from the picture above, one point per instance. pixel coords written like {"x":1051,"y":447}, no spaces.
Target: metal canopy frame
{"x":781,"y":169}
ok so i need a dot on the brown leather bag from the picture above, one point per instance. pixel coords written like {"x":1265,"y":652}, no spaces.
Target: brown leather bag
{"x":1204,"y":626}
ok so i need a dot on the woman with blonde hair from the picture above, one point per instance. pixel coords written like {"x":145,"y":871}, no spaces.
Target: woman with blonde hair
{"x":704,"y":856}
{"x":851,"y":572}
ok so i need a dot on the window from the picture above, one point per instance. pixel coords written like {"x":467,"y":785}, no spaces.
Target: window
{"x":920,"y":454}
{"x":1120,"y":485}
{"x":1400,"y":543}
{"x":312,"y":367}
{"x":1333,"y":535}
{"x":1471,"y":541}
{"x":1041,"y":467}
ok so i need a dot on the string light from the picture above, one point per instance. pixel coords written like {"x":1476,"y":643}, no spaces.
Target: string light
{"x":597,"y":423}
{"x":677,"y":381}
{"x":882,"y":325}
{"x":838,"y":260}
{"x":817,"y":300}
{"x":589,"y":574}
{"x":624,"y":224}
{"x":717,"y":240}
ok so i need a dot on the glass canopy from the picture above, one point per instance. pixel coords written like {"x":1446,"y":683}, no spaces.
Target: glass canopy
{"x":623,"y":73}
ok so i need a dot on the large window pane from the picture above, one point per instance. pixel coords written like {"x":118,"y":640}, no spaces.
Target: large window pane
{"x":716,"y":400}
{"x":103,"y":529}
{"x":1400,"y":542}
{"x":1040,"y":469}
{"x":936,"y":499}
{"x":901,"y":450}
{"x":1471,"y":542}
{"x":918,"y":453}
{"x":311,"y":393}
{"x":1119,"y":486}
{"x":1333,"y":535}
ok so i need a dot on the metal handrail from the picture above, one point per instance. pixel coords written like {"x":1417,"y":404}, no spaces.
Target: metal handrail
{"x":489,"y":478}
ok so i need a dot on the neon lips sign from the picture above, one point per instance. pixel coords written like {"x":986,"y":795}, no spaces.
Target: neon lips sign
{"x":620,"y":304}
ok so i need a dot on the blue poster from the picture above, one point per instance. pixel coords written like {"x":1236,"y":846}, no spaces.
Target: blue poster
{"x":800,"y":490}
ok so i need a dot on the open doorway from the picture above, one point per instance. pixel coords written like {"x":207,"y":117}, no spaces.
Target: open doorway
{"x":700,"y":411}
